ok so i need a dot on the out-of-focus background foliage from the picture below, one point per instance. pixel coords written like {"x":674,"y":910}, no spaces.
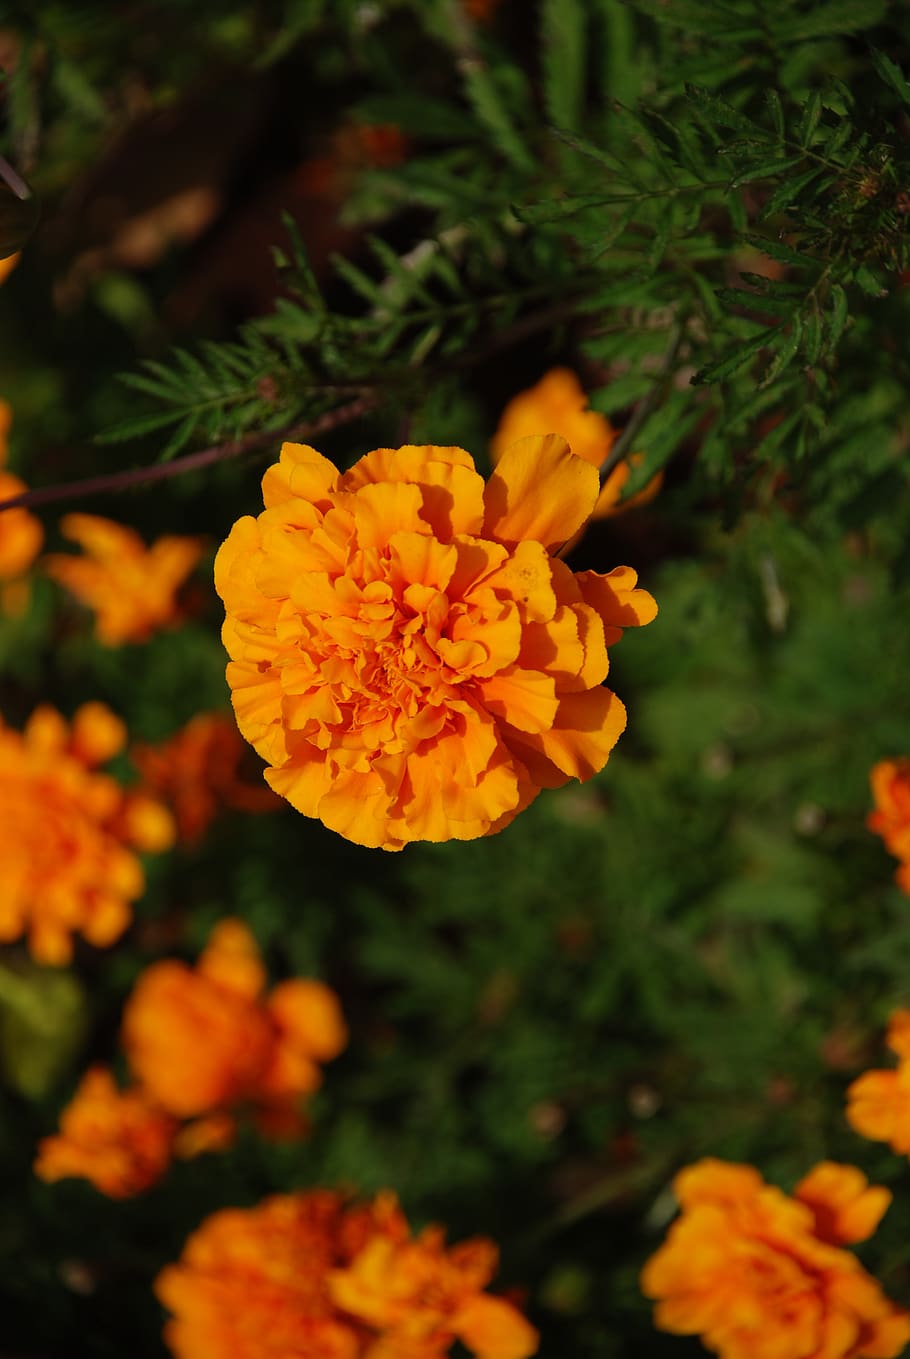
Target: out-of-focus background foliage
{"x":703,"y":208}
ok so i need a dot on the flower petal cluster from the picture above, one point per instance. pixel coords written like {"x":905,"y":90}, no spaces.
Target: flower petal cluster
{"x":311,"y":1276}
{"x":21,"y":534}
{"x":207,"y":1038}
{"x":890,"y":818}
{"x":760,"y":1275}
{"x":200,"y":1042}
{"x":408,"y":656}
{"x":197,"y":771}
{"x":557,"y":404}
{"x":132,"y":589}
{"x":68,"y":833}
{"x":119,"y":1140}
{"x":878,"y":1102}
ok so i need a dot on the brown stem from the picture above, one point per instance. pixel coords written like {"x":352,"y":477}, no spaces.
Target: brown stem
{"x":121,"y":481}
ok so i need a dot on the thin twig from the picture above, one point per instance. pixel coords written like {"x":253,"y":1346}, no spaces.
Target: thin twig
{"x":121,"y":481}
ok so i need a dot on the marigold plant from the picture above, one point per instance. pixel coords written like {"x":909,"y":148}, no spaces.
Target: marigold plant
{"x":878,"y":1102}
{"x":68,"y":833}
{"x":408,"y":655}
{"x":202,"y":1040}
{"x":308,"y":1274}
{"x":557,"y":404}
{"x":760,"y":1275}
{"x":197,"y":771}
{"x":119,"y":1140}
{"x":890,"y":818}
{"x":131,"y":588}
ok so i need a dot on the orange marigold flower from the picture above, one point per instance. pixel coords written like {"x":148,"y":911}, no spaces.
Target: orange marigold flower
{"x":422,"y":1296}
{"x":67,"y":833}
{"x":8,"y":264}
{"x":408,"y":655}
{"x":558,"y":404}
{"x":890,"y":819}
{"x":758,"y":1275}
{"x":119,"y":1139}
{"x":205,"y":1039}
{"x":197,"y":771}
{"x":131,"y":588}
{"x":265,"y":1282}
{"x":878,"y":1102}
{"x":21,"y":534}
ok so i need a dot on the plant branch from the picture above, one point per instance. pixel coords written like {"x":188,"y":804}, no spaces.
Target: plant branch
{"x":190,"y":462}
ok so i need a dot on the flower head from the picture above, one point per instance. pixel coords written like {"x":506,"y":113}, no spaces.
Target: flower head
{"x":408,"y":655}
{"x":878,"y":1102}
{"x":120,"y":1140}
{"x":558,"y":404}
{"x":21,"y":534}
{"x":204,"y":1039}
{"x":890,"y":819}
{"x":298,"y":1275}
{"x":131,"y":588}
{"x":197,"y":771}
{"x":760,"y":1275}
{"x":68,"y":833}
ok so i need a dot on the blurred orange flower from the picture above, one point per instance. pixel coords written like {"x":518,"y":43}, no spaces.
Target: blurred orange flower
{"x":21,"y":534}
{"x":120,"y":1140}
{"x":8,"y":264}
{"x":408,"y":655}
{"x":131,"y":588}
{"x":759,"y":1275}
{"x":878,"y":1102}
{"x":265,"y":1282}
{"x":201,"y":1040}
{"x":557,"y":404}
{"x":67,"y":833}
{"x":890,"y":819}
{"x":197,"y":771}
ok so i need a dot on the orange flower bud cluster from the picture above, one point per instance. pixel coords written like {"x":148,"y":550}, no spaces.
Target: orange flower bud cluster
{"x":878,"y":1102}
{"x":890,"y":819}
{"x":197,"y":771}
{"x":68,"y":833}
{"x":557,"y":404}
{"x":759,"y":1274}
{"x":131,"y":588}
{"x":306,"y":1274}
{"x":200,"y":1043}
{"x":409,"y":655}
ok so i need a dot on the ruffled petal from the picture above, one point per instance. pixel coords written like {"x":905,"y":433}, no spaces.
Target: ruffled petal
{"x":540,"y":490}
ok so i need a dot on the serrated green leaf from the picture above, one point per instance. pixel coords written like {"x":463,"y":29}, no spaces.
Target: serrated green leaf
{"x":891,"y":74}
{"x":718,"y":111}
{"x":489,"y":104}
{"x":823,"y":20}
{"x":776,"y":110}
{"x":785,"y":355}
{"x":563,"y":53}
{"x":839,"y":314}
{"x":785,"y":194}
{"x":731,"y":363}
{"x":765,"y":170}
{"x":809,"y":121}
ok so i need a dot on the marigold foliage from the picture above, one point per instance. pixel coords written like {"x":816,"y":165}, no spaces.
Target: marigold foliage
{"x":557,"y":404}
{"x":307,"y":1274}
{"x":890,"y":818}
{"x":760,"y":1275}
{"x":131,"y":589}
{"x":119,"y":1140}
{"x":407,"y":653}
{"x":68,"y":833}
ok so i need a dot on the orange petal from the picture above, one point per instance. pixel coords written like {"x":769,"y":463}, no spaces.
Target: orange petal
{"x":847,"y":1208}
{"x":493,"y":1329}
{"x":586,"y":729}
{"x":300,"y":474}
{"x":540,"y":491}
